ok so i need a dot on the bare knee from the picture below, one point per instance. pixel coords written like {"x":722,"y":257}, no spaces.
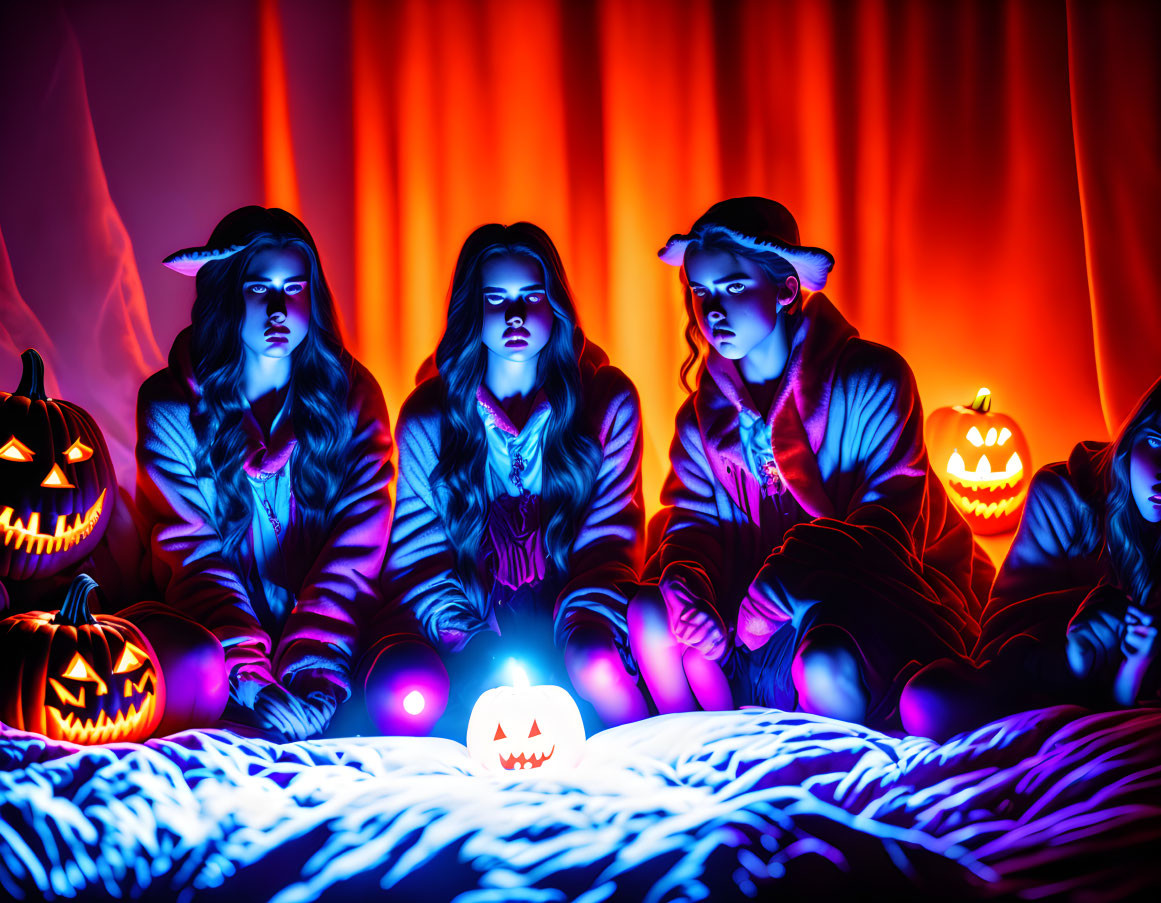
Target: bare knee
{"x":929,"y":702}
{"x":592,"y":659}
{"x":597,"y":671}
{"x":827,"y":674}
{"x":647,"y":614}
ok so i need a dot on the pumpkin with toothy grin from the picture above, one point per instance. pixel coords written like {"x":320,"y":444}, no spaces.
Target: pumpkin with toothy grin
{"x":58,"y":483}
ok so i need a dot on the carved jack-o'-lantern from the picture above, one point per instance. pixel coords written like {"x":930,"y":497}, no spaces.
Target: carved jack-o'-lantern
{"x":72,"y":676}
{"x":983,"y":459}
{"x":57,"y":487}
{"x":522,"y":727}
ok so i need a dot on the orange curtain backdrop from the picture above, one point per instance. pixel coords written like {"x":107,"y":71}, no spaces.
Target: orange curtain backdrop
{"x":1115,"y":67}
{"x":929,"y":146}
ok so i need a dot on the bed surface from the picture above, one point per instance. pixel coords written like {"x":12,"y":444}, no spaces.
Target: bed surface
{"x":1056,"y":803}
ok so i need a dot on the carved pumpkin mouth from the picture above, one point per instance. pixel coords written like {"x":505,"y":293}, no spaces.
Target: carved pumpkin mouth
{"x":985,"y":492}
{"x":103,"y":729}
{"x":510,"y":763}
{"x":986,"y":499}
{"x":19,"y":534}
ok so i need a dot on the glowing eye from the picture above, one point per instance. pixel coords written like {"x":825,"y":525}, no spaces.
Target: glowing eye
{"x":1154,"y":441}
{"x":294,"y":288}
{"x":535,"y":732}
{"x":131,"y":657}
{"x":990,"y":439}
{"x":15,"y":450}
{"x":256,"y":289}
{"x":534,"y":298}
{"x":494,"y":300}
{"x":975,"y":437}
{"x":79,"y":669}
{"x":500,"y":735}
{"x":78,"y":451}
{"x":735,"y":288}
{"x":1005,"y":435}
{"x":698,"y":291}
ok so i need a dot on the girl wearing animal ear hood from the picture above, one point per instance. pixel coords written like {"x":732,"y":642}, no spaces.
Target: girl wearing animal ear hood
{"x":808,"y":555}
{"x":264,"y":463}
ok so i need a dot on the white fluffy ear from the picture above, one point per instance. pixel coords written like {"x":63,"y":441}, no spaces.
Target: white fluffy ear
{"x":189,"y":261}
{"x":674,"y":251}
{"x":813,"y":268}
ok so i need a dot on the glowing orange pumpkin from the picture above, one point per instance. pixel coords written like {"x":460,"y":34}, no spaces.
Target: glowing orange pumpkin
{"x":75,"y":677}
{"x":983,"y":459}
{"x":521,"y":728}
{"x":57,"y":487}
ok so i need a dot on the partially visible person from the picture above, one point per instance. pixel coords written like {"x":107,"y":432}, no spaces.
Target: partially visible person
{"x":1071,"y":617}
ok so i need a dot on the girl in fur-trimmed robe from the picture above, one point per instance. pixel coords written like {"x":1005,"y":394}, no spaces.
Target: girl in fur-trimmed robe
{"x":518,"y":520}
{"x":264,"y":463}
{"x":1071,"y":617}
{"x":808,"y":556}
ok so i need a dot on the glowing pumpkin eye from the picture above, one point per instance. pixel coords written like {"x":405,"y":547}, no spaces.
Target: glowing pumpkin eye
{"x":975,"y":437}
{"x":78,"y":452}
{"x":79,"y":669}
{"x":15,"y":450}
{"x":500,"y":735}
{"x":131,"y":657}
{"x":1005,"y":435}
{"x":990,"y":439}
{"x":535,"y":732}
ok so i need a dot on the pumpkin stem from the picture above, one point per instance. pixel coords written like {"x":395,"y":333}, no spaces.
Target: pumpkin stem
{"x":74,"y":611}
{"x":983,"y":401}
{"x":32,"y":379}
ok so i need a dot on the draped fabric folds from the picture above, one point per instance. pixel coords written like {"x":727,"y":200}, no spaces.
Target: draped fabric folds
{"x":986,"y":175}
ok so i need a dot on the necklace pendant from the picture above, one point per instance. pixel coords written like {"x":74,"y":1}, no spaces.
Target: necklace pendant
{"x":773,"y":476}
{"x":270,"y":517}
{"x":517,"y":469}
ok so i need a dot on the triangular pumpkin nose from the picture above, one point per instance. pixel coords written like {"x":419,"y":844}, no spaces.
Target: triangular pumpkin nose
{"x":56,"y":479}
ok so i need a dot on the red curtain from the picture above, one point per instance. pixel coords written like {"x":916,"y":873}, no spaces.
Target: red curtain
{"x":986,"y":174}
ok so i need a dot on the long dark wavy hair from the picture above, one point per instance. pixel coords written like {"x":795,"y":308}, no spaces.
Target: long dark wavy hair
{"x":711,"y":237}
{"x":1132,"y":544}
{"x":319,"y":383}
{"x":571,"y":455}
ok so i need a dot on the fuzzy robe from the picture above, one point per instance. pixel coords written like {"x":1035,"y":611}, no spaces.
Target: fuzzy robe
{"x":1057,"y":577}
{"x":879,"y":544}
{"x":420,"y":573}
{"x":335,"y":575}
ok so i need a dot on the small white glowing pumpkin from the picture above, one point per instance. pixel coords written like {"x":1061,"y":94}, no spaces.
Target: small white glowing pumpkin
{"x":522,"y":727}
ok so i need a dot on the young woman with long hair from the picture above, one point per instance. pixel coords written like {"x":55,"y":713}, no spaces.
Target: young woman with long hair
{"x":519,"y":519}
{"x":1071,"y":617}
{"x":264,"y":463}
{"x":808,"y":554}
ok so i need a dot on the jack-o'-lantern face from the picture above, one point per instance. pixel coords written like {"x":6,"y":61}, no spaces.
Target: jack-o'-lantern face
{"x":983,"y":460}
{"x":524,"y":728}
{"x":75,"y":677}
{"x":57,"y":480}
